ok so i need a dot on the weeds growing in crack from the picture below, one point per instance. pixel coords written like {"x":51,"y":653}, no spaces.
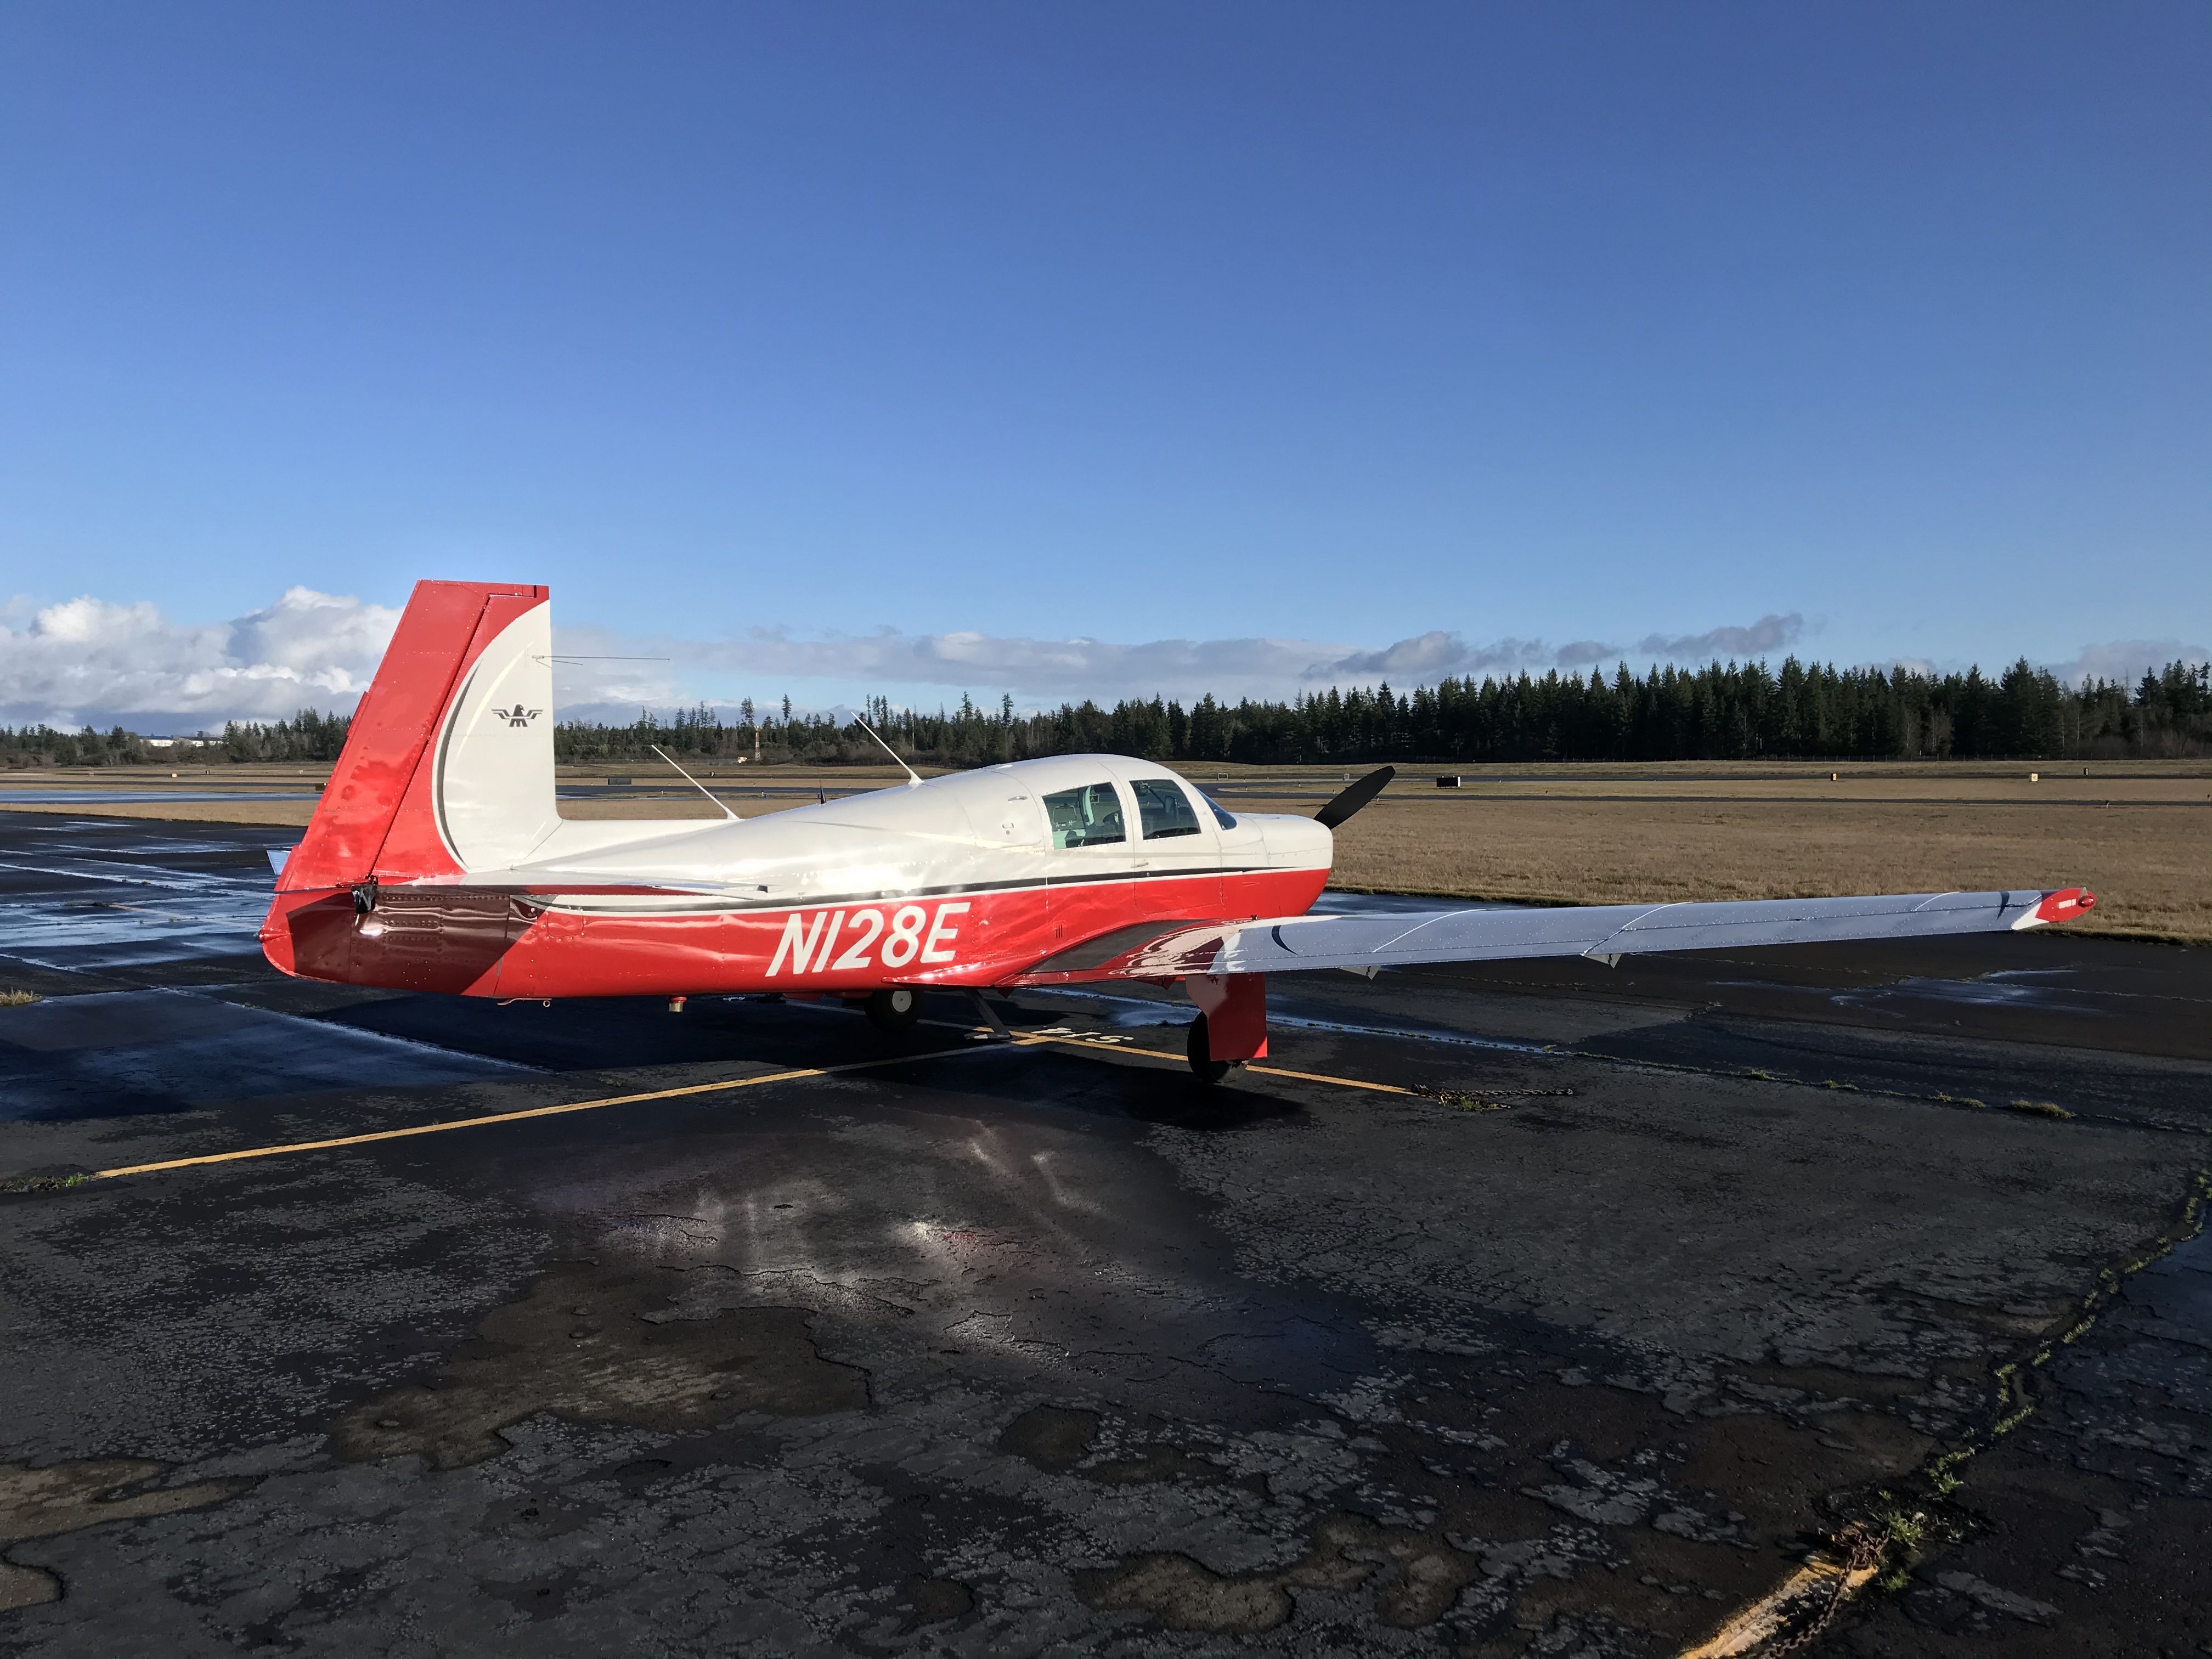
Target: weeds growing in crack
{"x":1895,"y":1526}
{"x":1487,"y":1100}
{"x":1943,"y":1473}
{"x":1905,"y":1534}
{"x":1760,"y":1074}
{"x":52,"y":1183}
{"x":12,"y":998}
{"x":1922,"y":1512}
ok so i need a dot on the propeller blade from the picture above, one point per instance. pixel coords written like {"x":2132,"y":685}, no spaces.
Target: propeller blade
{"x":1358,"y":795}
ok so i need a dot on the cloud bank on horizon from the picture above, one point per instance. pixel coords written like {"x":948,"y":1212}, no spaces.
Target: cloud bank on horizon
{"x":92,"y":661}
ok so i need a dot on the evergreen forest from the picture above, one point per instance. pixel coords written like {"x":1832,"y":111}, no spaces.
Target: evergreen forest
{"x":1715,"y":713}
{"x":1732,"y":711}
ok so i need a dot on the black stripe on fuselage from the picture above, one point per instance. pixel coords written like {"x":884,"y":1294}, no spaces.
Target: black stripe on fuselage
{"x":710,"y":906}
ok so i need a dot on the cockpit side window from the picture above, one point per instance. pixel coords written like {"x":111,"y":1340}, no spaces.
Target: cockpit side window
{"x":1088,"y":817}
{"x":1163,"y":809}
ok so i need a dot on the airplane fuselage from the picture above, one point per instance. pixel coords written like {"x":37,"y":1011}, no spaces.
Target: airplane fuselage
{"x":978,"y":878}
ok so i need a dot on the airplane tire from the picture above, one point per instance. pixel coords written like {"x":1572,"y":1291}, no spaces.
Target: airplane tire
{"x":1203,"y":1065}
{"x":895,"y":1008}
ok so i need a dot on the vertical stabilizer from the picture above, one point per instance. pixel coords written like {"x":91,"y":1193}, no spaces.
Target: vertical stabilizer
{"x":448,"y":766}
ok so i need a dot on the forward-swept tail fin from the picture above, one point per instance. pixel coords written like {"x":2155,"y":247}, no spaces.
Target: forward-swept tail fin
{"x":448,"y":766}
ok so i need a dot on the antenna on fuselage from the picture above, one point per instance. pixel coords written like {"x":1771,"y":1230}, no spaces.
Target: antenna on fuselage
{"x":913,"y":777}
{"x":695,"y":783}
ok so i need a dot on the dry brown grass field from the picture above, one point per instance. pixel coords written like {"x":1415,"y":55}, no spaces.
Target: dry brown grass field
{"x":2139,"y":833}
{"x":2150,"y":865}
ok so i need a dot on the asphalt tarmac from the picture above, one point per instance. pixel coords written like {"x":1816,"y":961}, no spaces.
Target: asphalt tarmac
{"x":1541,"y":1310}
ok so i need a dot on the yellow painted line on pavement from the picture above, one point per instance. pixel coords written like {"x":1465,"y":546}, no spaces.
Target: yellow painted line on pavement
{"x":1340,"y":1082}
{"x":374,"y":1136}
{"x":1758,"y":1625}
{"x":1098,"y":1048}
{"x":753,"y":1082}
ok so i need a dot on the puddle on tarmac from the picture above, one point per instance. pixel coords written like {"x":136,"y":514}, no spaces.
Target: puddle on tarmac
{"x":1998,"y":990}
{"x":82,"y":936}
{"x":599,"y":1345}
{"x":85,"y":797}
{"x":118,"y":1053}
{"x":57,"y":1497}
{"x":88,"y":897}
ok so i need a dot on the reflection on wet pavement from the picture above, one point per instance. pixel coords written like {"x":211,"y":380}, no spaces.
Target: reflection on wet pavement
{"x":77,"y":894}
{"x":113,"y":1054}
{"x":1046,"y":1350}
{"x":43,"y":796}
{"x":2024,"y":990}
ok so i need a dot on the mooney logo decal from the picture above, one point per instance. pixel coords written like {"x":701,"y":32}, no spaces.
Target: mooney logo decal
{"x":913,"y":934}
{"x":517,"y":715}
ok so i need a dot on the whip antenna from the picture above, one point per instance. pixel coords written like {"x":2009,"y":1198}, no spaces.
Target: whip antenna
{"x":913,"y":777}
{"x":695,"y":784}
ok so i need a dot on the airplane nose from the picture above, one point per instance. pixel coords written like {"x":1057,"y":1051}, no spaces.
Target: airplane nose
{"x":1299,"y":844}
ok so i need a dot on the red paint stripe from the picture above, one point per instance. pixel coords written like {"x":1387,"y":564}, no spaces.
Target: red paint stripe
{"x":488,"y":943}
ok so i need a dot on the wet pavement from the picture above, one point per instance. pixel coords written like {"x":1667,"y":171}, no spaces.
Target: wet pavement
{"x":1672,"y":1274}
{"x":45,"y":796}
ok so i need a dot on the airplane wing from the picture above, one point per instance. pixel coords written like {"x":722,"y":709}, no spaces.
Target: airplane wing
{"x":1605,"y":932}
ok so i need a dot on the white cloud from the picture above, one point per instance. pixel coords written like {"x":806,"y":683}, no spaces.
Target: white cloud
{"x":1431,"y":656}
{"x":2125,"y":660}
{"x":1769,"y":633}
{"x":767,"y":660}
{"x":92,"y":661}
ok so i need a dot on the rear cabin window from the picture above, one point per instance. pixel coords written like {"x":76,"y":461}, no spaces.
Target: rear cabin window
{"x":1089,"y":817}
{"x":1163,"y":809}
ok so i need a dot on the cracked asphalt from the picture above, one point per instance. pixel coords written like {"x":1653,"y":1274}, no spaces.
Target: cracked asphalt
{"x":1665,"y":1276}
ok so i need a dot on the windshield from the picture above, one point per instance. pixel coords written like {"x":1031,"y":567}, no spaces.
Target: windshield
{"x":1163,"y":809}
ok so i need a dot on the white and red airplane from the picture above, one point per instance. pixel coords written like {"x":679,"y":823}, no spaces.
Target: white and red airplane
{"x":436,"y":861}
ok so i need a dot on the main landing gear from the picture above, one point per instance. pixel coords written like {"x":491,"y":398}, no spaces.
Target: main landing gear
{"x":895,"y":1008}
{"x":1231,"y":1027}
{"x":1203,"y":1065}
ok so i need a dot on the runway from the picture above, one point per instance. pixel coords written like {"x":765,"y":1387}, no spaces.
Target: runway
{"x":1543,"y":1310}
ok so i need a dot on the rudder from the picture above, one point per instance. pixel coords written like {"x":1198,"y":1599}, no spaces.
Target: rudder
{"x":448,"y":764}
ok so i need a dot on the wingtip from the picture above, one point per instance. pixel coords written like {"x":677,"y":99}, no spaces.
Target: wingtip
{"x":2066,"y":904}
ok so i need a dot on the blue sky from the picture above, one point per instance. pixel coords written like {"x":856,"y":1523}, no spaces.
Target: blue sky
{"x":1480,"y":332}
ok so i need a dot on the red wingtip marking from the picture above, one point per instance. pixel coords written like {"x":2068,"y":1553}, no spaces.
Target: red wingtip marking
{"x":2066,"y":904}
